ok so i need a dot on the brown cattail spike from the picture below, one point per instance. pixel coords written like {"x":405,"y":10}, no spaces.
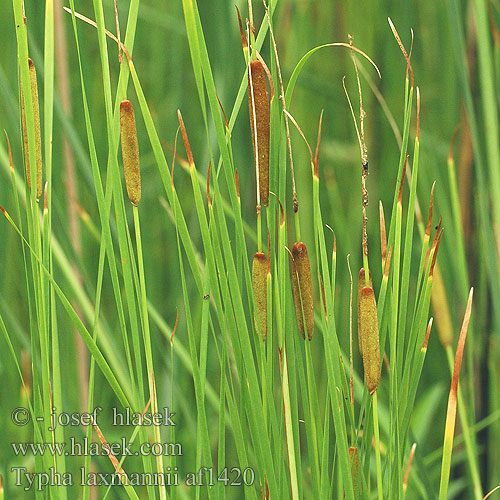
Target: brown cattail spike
{"x":259,"y":284}
{"x":130,"y":152}
{"x":258,"y":103}
{"x":368,"y":332}
{"x":38,"y":137}
{"x":361,"y":285}
{"x":302,"y":289}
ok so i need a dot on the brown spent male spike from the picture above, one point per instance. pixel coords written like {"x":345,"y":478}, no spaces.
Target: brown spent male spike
{"x":130,"y":152}
{"x":368,"y":332}
{"x":361,"y":285}
{"x":259,"y":285}
{"x":258,"y":105}
{"x":38,"y":137}
{"x":302,"y":289}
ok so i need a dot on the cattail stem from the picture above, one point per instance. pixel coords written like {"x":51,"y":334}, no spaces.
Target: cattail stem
{"x":288,"y":426}
{"x":367,"y":269}
{"x":147,"y":336}
{"x":259,"y":229}
{"x":376,"y":434}
{"x":351,"y":362}
{"x":252,"y":31}
{"x":297,"y":226}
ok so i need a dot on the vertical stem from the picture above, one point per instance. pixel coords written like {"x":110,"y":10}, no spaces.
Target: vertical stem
{"x":380,"y":493}
{"x":147,"y":341}
{"x":288,"y":429}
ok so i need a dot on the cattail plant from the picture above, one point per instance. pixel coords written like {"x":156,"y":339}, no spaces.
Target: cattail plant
{"x":300,"y":266}
{"x":258,"y":108}
{"x":38,"y":137}
{"x":259,"y":284}
{"x":259,"y":113}
{"x":258,"y":104}
{"x":302,"y":289}
{"x":368,"y":330}
{"x":361,"y":285}
{"x":130,"y":152}
{"x":369,"y":337}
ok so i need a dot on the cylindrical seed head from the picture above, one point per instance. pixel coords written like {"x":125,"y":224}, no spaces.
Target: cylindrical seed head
{"x":361,"y":285}
{"x":259,"y":284}
{"x":302,"y":289}
{"x":368,"y":331}
{"x":38,"y":136}
{"x":261,"y":99}
{"x":130,"y":152}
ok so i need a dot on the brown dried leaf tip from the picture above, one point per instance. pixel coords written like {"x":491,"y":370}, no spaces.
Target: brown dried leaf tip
{"x":361,"y":285}
{"x":38,"y":137}
{"x":368,"y":333}
{"x":258,"y":104}
{"x":259,"y":284}
{"x":302,"y":289}
{"x":130,"y":152}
